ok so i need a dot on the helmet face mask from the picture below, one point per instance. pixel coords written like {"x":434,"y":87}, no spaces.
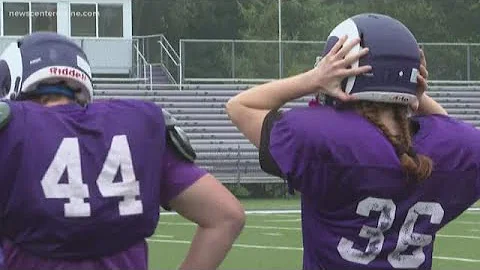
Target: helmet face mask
{"x":45,"y":58}
{"x":393,"y":54}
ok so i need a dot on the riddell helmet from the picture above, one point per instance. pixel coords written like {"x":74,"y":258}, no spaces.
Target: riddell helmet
{"x":44,"y":58}
{"x":393,"y":54}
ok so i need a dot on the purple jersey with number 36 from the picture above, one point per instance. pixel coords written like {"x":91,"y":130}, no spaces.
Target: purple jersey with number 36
{"x":82,"y":186}
{"x":358,"y":209}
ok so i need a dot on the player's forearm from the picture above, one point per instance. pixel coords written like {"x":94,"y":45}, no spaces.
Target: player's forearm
{"x":275,"y":94}
{"x":210,"y":246}
{"x":428,"y":105}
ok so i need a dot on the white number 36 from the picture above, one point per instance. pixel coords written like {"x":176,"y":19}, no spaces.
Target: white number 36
{"x":406,"y":236}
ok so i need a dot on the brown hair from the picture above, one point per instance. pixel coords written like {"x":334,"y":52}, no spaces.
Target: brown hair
{"x":47,"y":98}
{"x":418,"y":167}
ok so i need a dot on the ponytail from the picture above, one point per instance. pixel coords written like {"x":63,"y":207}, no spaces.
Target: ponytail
{"x":418,"y":167}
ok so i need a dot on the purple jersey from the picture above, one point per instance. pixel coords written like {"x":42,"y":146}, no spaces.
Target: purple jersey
{"x":358,"y":209}
{"x":82,"y":186}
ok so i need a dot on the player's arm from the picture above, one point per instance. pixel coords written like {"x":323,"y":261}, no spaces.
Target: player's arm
{"x":426,"y":104}
{"x":248,"y":109}
{"x":220,"y":218}
{"x":202,"y":199}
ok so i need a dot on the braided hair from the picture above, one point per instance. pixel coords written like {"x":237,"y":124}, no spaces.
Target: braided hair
{"x":418,"y":167}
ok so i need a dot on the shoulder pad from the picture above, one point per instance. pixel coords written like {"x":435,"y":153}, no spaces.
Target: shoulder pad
{"x":177,"y":138}
{"x":168,"y":118}
{"x":5,"y":114}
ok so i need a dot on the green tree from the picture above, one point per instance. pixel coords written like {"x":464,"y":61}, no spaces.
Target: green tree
{"x":429,"y":20}
{"x":192,"y":19}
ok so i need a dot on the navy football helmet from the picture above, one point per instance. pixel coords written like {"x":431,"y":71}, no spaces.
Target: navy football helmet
{"x":393,"y":54}
{"x":44,"y":59}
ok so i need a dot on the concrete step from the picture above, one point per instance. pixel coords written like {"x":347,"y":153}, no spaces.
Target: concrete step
{"x":204,"y":123}
{"x":216,"y":142}
{"x":226,"y":129}
{"x":173,"y":92}
{"x":226,"y":155}
{"x":216,"y":136}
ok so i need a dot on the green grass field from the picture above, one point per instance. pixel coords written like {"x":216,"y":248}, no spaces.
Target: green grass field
{"x":273,"y":241}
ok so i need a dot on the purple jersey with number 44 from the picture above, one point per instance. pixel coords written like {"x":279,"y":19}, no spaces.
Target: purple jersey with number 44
{"x":359,"y":211}
{"x":81,"y":187}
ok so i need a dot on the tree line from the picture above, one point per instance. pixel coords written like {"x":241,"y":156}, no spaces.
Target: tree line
{"x":430,"y":20}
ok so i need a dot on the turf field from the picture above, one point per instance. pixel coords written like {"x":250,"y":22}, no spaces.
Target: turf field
{"x":273,"y":241}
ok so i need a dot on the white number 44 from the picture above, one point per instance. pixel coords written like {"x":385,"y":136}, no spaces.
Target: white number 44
{"x":68,"y":158}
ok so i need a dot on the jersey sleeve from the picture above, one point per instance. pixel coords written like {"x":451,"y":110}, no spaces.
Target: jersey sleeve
{"x":286,"y":152}
{"x":179,"y":174}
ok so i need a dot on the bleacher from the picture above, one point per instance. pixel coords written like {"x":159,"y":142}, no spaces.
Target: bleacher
{"x":220,"y":147}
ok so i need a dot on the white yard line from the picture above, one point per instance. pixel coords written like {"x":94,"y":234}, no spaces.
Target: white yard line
{"x":297,"y":249}
{"x":273,"y":228}
{"x":235,"y":245}
{"x":455,"y":259}
{"x":458,"y":236}
{"x":272,"y":234}
{"x":299,"y":229}
{"x":274,"y":212}
{"x":283,"y":220}
{"x":468,"y":222}
{"x":249,"y":212}
{"x":178,"y":223}
{"x":292,"y":215}
{"x":247,"y":226}
{"x":162,"y":236}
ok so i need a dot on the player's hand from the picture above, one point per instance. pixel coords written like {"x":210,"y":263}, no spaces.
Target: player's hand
{"x":327,"y":76}
{"x":422,"y":77}
{"x":422,"y":84}
{"x":425,"y":104}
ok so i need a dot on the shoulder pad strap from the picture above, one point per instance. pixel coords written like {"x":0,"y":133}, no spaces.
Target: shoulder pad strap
{"x":5,"y":114}
{"x":179,"y":140}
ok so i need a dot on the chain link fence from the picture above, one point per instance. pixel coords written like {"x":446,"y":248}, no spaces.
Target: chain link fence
{"x":222,"y":61}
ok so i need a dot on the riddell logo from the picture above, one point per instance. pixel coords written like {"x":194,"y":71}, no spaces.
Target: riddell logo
{"x":400,"y":98}
{"x":69,"y":72}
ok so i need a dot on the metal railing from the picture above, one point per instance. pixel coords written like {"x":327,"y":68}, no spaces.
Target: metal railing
{"x":148,"y":46}
{"x":471,"y":55}
{"x":169,"y":57}
{"x":258,"y":61}
{"x":141,"y":63}
{"x":158,"y":52}
{"x":237,"y":61}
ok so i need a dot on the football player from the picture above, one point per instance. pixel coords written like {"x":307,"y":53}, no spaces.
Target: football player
{"x":376,"y":185}
{"x":83,"y":182}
